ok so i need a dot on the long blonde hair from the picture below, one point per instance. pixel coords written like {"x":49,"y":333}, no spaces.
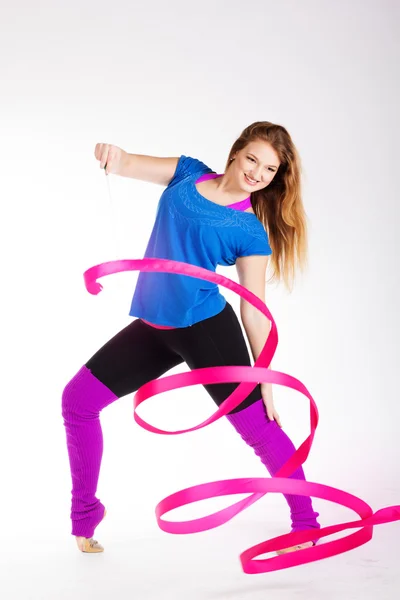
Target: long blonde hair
{"x":279,"y":206}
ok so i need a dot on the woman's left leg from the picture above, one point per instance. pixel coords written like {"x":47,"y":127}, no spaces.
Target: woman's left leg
{"x":274,"y":447}
{"x":219,"y":341}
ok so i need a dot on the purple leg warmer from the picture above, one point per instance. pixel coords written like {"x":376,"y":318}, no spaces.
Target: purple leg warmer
{"x":83,"y":398}
{"x":274,"y":448}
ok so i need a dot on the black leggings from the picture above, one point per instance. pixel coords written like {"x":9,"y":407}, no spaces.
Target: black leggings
{"x":140,"y":353}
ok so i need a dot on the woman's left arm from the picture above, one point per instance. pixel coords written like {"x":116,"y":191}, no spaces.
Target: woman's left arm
{"x":251,"y":271}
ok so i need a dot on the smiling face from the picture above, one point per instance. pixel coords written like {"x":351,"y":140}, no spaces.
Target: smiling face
{"x":259,"y":162}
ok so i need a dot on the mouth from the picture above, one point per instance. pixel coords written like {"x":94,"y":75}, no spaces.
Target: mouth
{"x":250,"y":181}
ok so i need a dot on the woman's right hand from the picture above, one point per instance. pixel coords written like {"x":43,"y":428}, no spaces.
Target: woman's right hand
{"x":110,"y":157}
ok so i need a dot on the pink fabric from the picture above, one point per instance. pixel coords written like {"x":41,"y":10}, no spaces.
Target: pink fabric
{"x":255,"y":487}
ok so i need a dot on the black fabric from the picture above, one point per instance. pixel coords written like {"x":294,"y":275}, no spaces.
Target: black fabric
{"x":140,"y":353}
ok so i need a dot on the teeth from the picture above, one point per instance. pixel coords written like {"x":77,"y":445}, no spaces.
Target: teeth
{"x":252,"y":180}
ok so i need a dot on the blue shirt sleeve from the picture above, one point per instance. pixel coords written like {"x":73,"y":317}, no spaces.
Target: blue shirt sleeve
{"x":256,"y":246}
{"x":188,"y":166}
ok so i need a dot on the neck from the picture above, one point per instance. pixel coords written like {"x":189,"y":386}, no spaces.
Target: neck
{"x":228,"y":191}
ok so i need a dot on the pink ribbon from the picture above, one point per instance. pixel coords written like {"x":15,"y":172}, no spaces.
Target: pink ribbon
{"x":255,"y":487}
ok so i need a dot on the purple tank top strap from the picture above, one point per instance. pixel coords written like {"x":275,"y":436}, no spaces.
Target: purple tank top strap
{"x":207,"y":176}
{"x":241,"y":205}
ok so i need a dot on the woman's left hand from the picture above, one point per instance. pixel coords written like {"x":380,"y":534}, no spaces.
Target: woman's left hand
{"x":269,"y":405}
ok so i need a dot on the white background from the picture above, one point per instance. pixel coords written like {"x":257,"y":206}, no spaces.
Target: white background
{"x":185,"y":78}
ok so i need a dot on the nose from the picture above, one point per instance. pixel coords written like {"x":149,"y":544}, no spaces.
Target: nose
{"x":257,"y":175}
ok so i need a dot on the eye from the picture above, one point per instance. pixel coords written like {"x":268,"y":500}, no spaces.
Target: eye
{"x":269,"y":168}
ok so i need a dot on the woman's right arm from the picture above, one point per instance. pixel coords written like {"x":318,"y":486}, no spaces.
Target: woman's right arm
{"x":153,"y":169}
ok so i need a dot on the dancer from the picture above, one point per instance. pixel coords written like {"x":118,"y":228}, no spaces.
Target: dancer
{"x":252,"y":211}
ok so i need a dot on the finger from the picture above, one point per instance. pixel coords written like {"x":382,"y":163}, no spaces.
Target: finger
{"x":100,"y":150}
{"x":97,"y":151}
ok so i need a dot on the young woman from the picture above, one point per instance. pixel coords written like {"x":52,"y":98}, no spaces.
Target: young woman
{"x":206,"y":219}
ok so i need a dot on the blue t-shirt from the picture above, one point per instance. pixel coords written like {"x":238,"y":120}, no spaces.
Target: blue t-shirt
{"x":189,"y":228}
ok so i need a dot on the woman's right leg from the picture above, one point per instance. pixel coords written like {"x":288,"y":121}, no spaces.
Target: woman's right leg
{"x":130,"y":359}
{"x":219,"y":341}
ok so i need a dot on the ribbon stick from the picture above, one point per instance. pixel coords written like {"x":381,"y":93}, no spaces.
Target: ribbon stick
{"x":248,"y":377}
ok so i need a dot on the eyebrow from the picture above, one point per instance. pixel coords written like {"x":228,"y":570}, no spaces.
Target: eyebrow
{"x":254,"y":156}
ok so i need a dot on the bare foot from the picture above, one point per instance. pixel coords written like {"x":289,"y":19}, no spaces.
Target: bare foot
{"x":295,"y":548}
{"x":89,"y":544}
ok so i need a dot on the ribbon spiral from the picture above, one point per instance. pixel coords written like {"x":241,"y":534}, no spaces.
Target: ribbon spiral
{"x":256,"y":487}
